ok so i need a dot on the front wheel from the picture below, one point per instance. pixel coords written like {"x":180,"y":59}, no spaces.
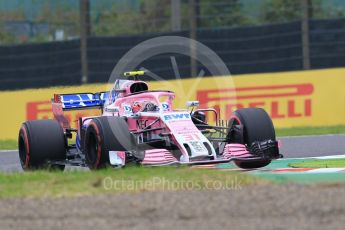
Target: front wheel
{"x":105,"y":134}
{"x":257,"y":126}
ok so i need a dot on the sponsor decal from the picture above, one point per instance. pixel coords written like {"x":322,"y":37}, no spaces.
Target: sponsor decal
{"x":165,"y":106}
{"x":127,"y":108}
{"x":197,"y":146}
{"x":117,"y":158}
{"x":38,"y":110}
{"x":189,"y":137}
{"x":70,"y":101}
{"x":112,"y":96}
{"x":176,"y":116}
{"x":280,"y":101}
{"x":117,"y":84}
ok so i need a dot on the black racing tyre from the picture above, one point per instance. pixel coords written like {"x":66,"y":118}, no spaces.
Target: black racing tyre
{"x":105,"y":134}
{"x":39,"y":143}
{"x":257,"y":126}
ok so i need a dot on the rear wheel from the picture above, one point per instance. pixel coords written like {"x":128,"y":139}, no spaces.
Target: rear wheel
{"x":40,"y":143}
{"x":257,"y":126}
{"x":105,"y":134}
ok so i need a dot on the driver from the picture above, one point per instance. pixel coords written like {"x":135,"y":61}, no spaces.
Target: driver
{"x":144,"y":106}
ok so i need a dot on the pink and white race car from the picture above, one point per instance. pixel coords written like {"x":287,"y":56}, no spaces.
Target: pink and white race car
{"x":140,"y":126}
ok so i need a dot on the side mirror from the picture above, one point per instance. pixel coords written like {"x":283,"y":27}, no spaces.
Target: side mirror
{"x":192,"y":103}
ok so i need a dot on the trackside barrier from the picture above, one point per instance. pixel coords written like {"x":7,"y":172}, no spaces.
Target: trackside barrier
{"x":293,"y":99}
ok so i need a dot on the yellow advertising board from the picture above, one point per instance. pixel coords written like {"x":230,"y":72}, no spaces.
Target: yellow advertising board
{"x":293,"y":99}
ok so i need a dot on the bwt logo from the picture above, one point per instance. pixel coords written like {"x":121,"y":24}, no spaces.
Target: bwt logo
{"x":280,"y":101}
{"x":176,"y":116}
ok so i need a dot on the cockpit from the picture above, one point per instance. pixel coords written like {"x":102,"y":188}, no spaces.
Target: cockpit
{"x":149,"y":101}
{"x":133,"y":96}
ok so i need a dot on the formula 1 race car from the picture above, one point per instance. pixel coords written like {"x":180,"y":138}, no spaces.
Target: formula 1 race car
{"x":140,"y":126}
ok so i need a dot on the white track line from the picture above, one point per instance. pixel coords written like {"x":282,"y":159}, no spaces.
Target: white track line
{"x":326,"y":170}
{"x":330,"y":157}
{"x":306,"y":136}
{"x":322,"y":157}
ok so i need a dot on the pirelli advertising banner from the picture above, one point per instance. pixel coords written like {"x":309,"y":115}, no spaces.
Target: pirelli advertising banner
{"x":293,"y":99}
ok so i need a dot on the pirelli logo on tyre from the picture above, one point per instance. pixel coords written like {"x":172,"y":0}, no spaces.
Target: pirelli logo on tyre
{"x":280,"y":101}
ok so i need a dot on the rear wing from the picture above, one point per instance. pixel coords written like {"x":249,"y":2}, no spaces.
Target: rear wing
{"x":77,"y":101}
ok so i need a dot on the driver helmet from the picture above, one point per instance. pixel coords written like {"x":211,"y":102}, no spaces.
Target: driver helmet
{"x":144,"y":106}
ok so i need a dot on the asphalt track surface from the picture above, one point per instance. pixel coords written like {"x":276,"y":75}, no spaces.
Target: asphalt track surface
{"x":291,"y":147}
{"x":260,"y":206}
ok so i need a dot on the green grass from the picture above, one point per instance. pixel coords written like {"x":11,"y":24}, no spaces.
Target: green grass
{"x":331,"y":163}
{"x":311,"y":130}
{"x":113,"y":181}
{"x":8,"y":144}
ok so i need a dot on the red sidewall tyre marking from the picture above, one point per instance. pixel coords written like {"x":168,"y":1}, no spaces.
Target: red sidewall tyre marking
{"x":236,"y":119}
{"x":99,"y":150}
{"x":27,"y":149}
